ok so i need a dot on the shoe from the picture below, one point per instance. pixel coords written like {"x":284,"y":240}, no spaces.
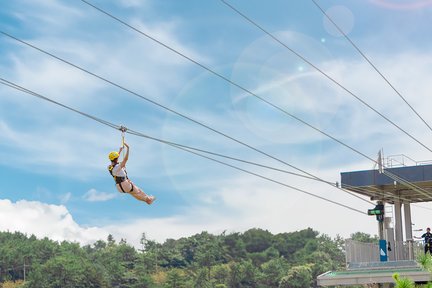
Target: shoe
{"x":150,"y":199}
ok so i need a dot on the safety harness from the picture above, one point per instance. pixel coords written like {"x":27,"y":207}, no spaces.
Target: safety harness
{"x":118,"y":179}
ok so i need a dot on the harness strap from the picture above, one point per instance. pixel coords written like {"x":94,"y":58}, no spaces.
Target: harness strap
{"x":118,"y":179}
{"x":121,"y":187}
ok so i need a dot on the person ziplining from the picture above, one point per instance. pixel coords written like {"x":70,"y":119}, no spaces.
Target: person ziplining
{"x":118,"y":172}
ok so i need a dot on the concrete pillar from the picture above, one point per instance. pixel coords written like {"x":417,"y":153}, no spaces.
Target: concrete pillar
{"x":381,"y":230}
{"x":391,"y":245}
{"x":398,"y":230}
{"x":408,"y":224}
{"x":408,"y":230}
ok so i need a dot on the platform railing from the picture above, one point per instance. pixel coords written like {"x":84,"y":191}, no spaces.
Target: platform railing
{"x":401,"y":160}
{"x":359,"y":254}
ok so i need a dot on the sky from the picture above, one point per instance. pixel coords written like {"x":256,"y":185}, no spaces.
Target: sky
{"x":206,"y":63}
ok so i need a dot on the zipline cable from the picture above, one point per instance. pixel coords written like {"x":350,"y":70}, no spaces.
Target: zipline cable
{"x":254,"y":94}
{"x":132,"y":132}
{"x":193,"y":120}
{"x":277,"y":182}
{"x":389,"y":174}
{"x":188,"y":148}
{"x":22,"y":89}
{"x":123,"y":130}
{"x":181,"y":114}
{"x":322,"y":72}
{"x":370,"y":62}
{"x":180,"y":146}
{"x":241,"y":87}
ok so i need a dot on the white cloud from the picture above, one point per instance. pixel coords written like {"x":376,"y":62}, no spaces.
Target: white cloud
{"x":242,"y":204}
{"x":48,"y":143}
{"x":97,"y":196}
{"x":46,"y":12}
{"x":41,"y":147}
{"x":45,"y":220}
{"x":60,"y":135}
{"x":313,"y":98}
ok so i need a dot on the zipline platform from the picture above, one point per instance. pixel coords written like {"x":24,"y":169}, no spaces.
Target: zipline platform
{"x":394,"y":188}
{"x":381,"y":275}
{"x":381,"y":187}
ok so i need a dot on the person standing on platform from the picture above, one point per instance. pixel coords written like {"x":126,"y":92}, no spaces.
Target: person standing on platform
{"x":427,"y":241}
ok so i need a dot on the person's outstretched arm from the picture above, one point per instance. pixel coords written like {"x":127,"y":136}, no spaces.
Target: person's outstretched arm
{"x":126,"y":157}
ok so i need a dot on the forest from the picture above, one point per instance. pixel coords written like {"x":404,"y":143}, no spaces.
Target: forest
{"x":255,"y":258}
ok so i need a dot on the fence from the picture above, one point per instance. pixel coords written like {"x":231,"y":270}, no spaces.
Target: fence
{"x":358,"y":253}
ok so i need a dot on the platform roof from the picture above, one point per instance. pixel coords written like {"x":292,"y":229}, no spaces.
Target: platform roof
{"x":379,"y":186}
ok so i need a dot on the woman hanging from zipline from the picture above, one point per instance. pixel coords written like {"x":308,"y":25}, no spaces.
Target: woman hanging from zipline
{"x":118,"y":171}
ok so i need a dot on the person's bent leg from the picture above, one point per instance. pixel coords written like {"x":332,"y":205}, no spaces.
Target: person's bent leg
{"x":138,"y":194}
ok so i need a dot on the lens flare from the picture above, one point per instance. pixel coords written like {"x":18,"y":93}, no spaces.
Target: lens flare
{"x":343,"y":17}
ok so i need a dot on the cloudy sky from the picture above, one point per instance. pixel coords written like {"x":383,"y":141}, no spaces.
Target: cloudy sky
{"x":53,"y":161}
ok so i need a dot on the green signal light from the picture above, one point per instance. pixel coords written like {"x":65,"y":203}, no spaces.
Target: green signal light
{"x":375,"y":212}
{"x":378,"y":210}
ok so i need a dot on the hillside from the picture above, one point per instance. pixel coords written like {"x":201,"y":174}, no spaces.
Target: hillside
{"x":255,"y":258}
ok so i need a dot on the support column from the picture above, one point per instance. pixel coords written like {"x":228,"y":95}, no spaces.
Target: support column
{"x":381,"y":230}
{"x":398,"y":230}
{"x":408,"y":224}
{"x":389,"y":236}
{"x":408,"y":230}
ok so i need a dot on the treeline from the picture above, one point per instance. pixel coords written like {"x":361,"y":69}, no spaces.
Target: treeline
{"x":255,"y":258}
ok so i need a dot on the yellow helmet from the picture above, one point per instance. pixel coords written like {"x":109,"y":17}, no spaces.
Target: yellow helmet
{"x":113,"y":155}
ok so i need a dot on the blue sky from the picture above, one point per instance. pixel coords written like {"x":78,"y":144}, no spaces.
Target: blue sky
{"x":53,"y":161}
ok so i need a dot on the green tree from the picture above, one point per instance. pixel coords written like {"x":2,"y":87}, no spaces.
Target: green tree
{"x":255,"y":258}
{"x":170,"y":256}
{"x":175,"y":279}
{"x":321,"y":262}
{"x":220,"y":274}
{"x":364,"y":237}
{"x":126,"y":254}
{"x":143,"y":281}
{"x":334,"y":248}
{"x":111,"y":240}
{"x":257,"y":240}
{"x":297,"y":277}
{"x":66,"y":271}
{"x":235,"y":275}
{"x":273,"y":271}
{"x":242,"y":274}
{"x":403,"y":282}
{"x":249,"y":275}
{"x":99,"y":245}
{"x":12,"y":284}
{"x":209,"y":254}
{"x":234,"y":246}
{"x":201,"y":279}
{"x":289,"y":243}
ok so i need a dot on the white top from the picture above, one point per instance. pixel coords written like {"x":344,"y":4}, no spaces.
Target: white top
{"x":118,"y":171}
